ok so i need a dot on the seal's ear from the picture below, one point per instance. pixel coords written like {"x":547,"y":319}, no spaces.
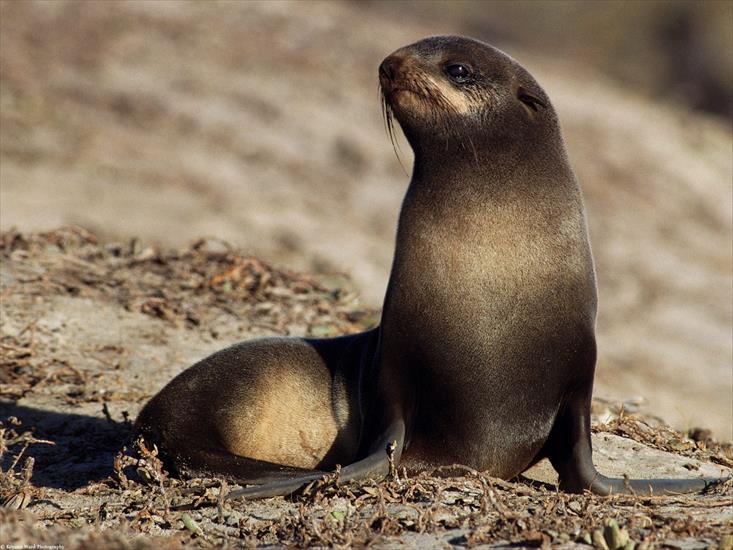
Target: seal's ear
{"x":530,"y":100}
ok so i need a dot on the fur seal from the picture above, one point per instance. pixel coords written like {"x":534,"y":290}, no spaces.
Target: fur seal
{"x":485,"y":354}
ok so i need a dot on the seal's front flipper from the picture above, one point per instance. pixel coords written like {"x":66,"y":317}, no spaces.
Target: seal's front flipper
{"x":376,"y":465}
{"x":603,"y":485}
{"x":569,"y":449}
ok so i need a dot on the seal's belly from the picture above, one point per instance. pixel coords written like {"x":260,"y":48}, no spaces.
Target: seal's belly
{"x":488,"y":394}
{"x":501,"y":440}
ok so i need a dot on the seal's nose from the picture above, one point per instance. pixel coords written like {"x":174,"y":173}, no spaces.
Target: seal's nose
{"x":389,"y":67}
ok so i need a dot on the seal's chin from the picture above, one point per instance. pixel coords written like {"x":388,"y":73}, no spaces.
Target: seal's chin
{"x":398,"y":93}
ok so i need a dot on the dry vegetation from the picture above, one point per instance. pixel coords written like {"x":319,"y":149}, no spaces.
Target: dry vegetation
{"x":65,"y":481}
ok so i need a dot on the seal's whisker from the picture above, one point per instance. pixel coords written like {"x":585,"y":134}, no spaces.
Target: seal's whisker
{"x":388,"y":118}
{"x":473,"y":149}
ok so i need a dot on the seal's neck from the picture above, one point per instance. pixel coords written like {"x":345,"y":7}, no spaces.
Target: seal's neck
{"x":483,"y":174}
{"x":486,"y":232}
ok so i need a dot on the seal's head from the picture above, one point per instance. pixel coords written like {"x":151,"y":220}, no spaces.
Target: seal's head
{"x":446,"y":87}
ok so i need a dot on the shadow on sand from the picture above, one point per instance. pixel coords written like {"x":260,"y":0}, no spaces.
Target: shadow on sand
{"x":84,"y":450}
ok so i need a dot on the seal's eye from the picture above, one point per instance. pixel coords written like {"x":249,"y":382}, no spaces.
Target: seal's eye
{"x":458,"y":73}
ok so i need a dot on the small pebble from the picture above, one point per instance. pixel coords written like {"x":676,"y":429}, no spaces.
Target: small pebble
{"x":575,"y":506}
{"x":233,"y":519}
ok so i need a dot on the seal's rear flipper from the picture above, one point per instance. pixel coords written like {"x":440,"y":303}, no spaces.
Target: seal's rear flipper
{"x":569,"y":449}
{"x":208,"y":463}
{"x":374,"y":466}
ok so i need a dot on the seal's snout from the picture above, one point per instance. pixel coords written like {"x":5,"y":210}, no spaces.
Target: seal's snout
{"x":389,"y":68}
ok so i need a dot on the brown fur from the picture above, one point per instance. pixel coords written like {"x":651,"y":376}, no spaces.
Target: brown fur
{"x":273,"y":400}
{"x":293,"y":423}
{"x":486,"y":351}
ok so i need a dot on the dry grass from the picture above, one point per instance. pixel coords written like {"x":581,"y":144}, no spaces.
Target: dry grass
{"x":65,"y":481}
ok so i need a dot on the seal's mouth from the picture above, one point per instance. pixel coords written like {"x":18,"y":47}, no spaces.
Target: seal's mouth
{"x":394,"y":80}
{"x":406,"y":95}
{"x":394,"y":94}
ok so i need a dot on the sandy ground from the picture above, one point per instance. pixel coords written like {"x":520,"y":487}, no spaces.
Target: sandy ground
{"x":259,"y":123}
{"x":90,"y":332}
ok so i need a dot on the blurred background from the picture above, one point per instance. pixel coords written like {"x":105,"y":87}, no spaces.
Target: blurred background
{"x":259,"y":123}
